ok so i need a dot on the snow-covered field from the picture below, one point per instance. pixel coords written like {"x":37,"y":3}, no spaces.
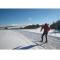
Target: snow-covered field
{"x":10,"y":39}
{"x":51,"y":32}
{"x":27,"y":38}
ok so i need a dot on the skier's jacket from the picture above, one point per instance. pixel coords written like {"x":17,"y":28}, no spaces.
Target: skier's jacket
{"x":45,"y":27}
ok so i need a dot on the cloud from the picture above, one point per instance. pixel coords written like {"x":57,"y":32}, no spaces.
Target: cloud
{"x":14,"y":24}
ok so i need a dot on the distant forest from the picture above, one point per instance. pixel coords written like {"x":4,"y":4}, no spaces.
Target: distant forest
{"x":31,"y":26}
{"x":55,"y":25}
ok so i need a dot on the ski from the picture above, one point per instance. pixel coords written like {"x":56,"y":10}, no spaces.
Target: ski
{"x":39,"y":43}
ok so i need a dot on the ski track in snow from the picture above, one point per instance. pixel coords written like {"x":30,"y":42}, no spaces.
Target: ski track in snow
{"x":23,"y":39}
{"x":53,"y":42}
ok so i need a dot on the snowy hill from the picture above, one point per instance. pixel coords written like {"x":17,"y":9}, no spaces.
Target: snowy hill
{"x":27,"y":38}
{"x":52,"y":32}
{"x":11,"y":39}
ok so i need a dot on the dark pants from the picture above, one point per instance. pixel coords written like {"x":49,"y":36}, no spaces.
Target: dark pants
{"x":44,"y":33}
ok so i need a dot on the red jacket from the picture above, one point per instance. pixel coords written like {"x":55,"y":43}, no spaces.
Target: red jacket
{"x":46,"y":28}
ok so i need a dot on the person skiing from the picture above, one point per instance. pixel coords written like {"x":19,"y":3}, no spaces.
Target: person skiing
{"x":45,"y":32}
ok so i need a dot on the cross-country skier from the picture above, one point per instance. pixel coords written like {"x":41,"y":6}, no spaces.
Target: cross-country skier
{"x":45,"y":32}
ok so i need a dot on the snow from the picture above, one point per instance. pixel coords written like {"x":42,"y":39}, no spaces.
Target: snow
{"x":53,"y":42}
{"x":26,"y":39}
{"x":11,"y":39}
{"x":51,"y":32}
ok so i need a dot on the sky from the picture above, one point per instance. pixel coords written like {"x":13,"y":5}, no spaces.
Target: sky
{"x":28,"y":16}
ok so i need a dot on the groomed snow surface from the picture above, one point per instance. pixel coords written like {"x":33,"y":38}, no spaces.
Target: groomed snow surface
{"x":52,"y":32}
{"x":10,"y":39}
{"x":27,"y":38}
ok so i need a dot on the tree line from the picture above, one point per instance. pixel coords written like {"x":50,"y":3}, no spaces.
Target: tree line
{"x":55,"y":25}
{"x":31,"y":26}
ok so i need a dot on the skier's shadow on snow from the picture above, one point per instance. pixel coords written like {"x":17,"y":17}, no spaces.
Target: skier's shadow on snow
{"x":26,"y":47}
